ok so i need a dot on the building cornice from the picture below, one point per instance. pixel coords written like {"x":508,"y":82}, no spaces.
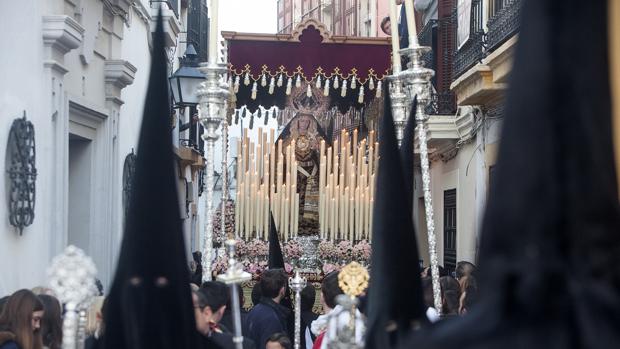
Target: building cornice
{"x":118,"y":75}
{"x":62,"y":33}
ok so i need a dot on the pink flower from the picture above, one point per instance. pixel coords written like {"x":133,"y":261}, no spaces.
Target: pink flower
{"x":288,"y":268}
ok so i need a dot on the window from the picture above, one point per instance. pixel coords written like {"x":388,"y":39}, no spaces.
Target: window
{"x":449,"y":229}
{"x":198,"y":27}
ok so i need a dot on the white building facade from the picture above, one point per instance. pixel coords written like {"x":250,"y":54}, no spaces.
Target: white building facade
{"x":79,"y":70}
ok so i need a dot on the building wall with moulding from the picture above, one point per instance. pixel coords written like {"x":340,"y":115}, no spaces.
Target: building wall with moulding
{"x":73,"y":71}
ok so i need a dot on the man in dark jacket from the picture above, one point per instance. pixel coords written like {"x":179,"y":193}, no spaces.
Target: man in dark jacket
{"x":269,"y":317}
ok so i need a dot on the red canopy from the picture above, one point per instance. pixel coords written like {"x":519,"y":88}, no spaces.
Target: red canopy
{"x":260,"y":61}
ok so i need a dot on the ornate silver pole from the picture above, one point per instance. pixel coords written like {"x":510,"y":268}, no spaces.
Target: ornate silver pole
{"x":417,"y":79}
{"x":72,"y":278}
{"x":213,"y":94}
{"x":400,"y":102}
{"x":233,"y":276}
{"x":297,"y":284}
{"x":224,"y":199}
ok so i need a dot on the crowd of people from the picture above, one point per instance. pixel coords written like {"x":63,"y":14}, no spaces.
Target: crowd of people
{"x":32,"y":319}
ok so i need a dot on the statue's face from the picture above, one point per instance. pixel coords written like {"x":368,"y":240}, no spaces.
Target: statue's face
{"x":304,"y":123}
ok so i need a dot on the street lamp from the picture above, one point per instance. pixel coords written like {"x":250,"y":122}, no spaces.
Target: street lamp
{"x":186,"y":80}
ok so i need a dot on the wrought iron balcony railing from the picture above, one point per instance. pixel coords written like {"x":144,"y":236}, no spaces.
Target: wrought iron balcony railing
{"x":472,"y":51}
{"x":504,"y":23}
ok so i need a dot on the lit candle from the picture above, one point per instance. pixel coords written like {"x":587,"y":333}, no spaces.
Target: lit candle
{"x":345,"y":213}
{"x":237,"y":209}
{"x":296,"y":214}
{"x":355,"y":139}
{"x":413,"y":31}
{"x":372,"y":208}
{"x":333,"y":219}
{"x":395,"y":39}
{"x":213,"y":32}
{"x":329,"y":160}
{"x":351,"y":215}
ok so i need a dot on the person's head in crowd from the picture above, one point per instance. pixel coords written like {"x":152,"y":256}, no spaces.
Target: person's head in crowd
{"x":256,"y":293}
{"x":193,"y":287}
{"x":386,"y":26}
{"x":2,"y":302}
{"x":329,"y":290}
{"x":279,"y":341}
{"x":308,"y":296}
{"x":273,"y":284}
{"x":94,"y":317}
{"x":463,"y":269}
{"x":216,"y":295}
{"x":469,"y":293}
{"x":450,"y":295}
{"x":200,"y":303}
{"x":427,"y":292}
{"x":51,"y":323}
{"x":21,"y":317}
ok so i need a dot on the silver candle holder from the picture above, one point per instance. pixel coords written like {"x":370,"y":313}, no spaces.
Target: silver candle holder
{"x":297,"y":284}
{"x":417,"y":82}
{"x":72,"y":278}
{"x":213,"y":93}
{"x":235,"y":275}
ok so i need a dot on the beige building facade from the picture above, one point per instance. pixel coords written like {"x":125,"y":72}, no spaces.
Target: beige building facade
{"x":464,"y":143}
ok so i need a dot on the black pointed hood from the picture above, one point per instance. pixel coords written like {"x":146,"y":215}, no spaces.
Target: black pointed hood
{"x":150,"y":305}
{"x":550,"y":246}
{"x":395,"y":295}
{"x":276,"y":259}
{"x":406,"y":150}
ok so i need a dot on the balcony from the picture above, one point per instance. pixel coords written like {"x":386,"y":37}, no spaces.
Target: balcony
{"x":472,"y":51}
{"x":504,"y":23}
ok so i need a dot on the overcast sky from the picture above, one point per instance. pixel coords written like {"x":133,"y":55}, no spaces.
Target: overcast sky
{"x":253,"y":16}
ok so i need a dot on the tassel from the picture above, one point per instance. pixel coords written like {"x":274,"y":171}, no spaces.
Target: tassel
{"x":379,"y":89}
{"x":298,"y":81}
{"x":336,"y":85}
{"x":266,"y":120}
{"x":309,"y":91}
{"x":263,"y":80}
{"x":246,"y":80}
{"x":236,"y":84}
{"x":354,"y":82}
{"x":343,"y":92}
{"x":318,"y":81}
{"x":360,"y":98}
{"x":280,"y":80}
{"x":251,"y":121}
{"x":237,"y":112}
{"x":326,"y":89}
{"x":272,"y":85}
{"x":371,"y":84}
{"x":254,"y":90}
{"x":289,"y":86}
